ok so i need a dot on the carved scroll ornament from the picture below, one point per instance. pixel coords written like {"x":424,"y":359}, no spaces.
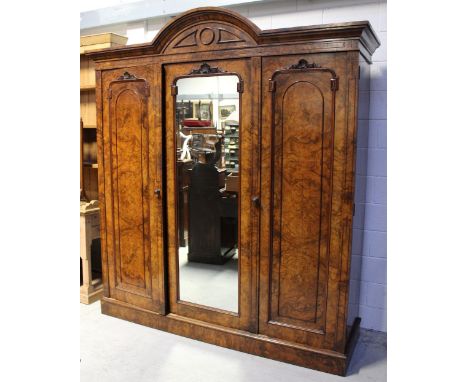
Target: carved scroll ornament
{"x":304,"y":64}
{"x":206,"y":69}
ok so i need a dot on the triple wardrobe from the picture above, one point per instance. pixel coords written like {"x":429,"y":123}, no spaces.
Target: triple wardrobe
{"x":226,"y":159}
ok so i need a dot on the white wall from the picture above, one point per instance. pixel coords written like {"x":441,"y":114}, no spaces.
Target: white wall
{"x":371,"y":252}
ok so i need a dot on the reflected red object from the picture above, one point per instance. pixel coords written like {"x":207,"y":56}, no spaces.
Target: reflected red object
{"x":196,"y":123}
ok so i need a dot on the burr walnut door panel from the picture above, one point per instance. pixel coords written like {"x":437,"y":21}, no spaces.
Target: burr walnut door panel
{"x":298,"y":128}
{"x":130,"y":172}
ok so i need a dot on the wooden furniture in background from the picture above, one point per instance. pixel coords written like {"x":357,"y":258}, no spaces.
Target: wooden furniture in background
{"x":298,"y":100}
{"x":91,"y":290}
{"x":82,"y":192}
{"x":88,"y":107}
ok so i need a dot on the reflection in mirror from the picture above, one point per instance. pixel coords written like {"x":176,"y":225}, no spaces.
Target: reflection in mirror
{"x":207,"y":125}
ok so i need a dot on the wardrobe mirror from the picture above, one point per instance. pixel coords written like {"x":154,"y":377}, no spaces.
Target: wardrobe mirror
{"x":207,"y":124}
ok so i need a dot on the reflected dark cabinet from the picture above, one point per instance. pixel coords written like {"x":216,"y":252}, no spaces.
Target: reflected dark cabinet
{"x":227,"y":161}
{"x":183,"y":179}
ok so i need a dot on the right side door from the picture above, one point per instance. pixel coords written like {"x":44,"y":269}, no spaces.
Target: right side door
{"x":296,"y":299}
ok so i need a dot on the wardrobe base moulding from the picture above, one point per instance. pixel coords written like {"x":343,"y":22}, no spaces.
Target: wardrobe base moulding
{"x":256,"y":344}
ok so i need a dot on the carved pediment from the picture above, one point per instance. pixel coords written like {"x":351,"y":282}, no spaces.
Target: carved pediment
{"x":226,"y":37}
{"x":188,"y":40}
{"x":209,"y":36}
{"x":211,"y":28}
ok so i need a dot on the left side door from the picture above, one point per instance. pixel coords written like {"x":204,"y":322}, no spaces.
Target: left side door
{"x":130,"y":167}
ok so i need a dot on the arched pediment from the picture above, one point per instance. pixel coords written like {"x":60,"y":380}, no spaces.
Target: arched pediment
{"x":205,"y":29}
{"x":212,"y":28}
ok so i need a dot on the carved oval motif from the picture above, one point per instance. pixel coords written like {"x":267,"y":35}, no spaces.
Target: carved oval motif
{"x":207,"y":36}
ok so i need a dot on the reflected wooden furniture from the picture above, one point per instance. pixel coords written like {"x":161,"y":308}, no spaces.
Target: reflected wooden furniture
{"x":232,"y":182}
{"x":91,"y":290}
{"x":298,"y":100}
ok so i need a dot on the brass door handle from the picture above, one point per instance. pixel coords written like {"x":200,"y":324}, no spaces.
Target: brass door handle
{"x":158,"y":193}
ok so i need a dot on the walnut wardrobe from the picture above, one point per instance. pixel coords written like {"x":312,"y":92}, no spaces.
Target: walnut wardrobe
{"x":226,"y":160}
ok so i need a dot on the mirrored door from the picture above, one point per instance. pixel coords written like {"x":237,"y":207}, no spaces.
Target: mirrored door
{"x":207,"y":138}
{"x":210,"y":175}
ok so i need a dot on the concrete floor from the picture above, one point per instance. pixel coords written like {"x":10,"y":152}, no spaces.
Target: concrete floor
{"x":113,"y":350}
